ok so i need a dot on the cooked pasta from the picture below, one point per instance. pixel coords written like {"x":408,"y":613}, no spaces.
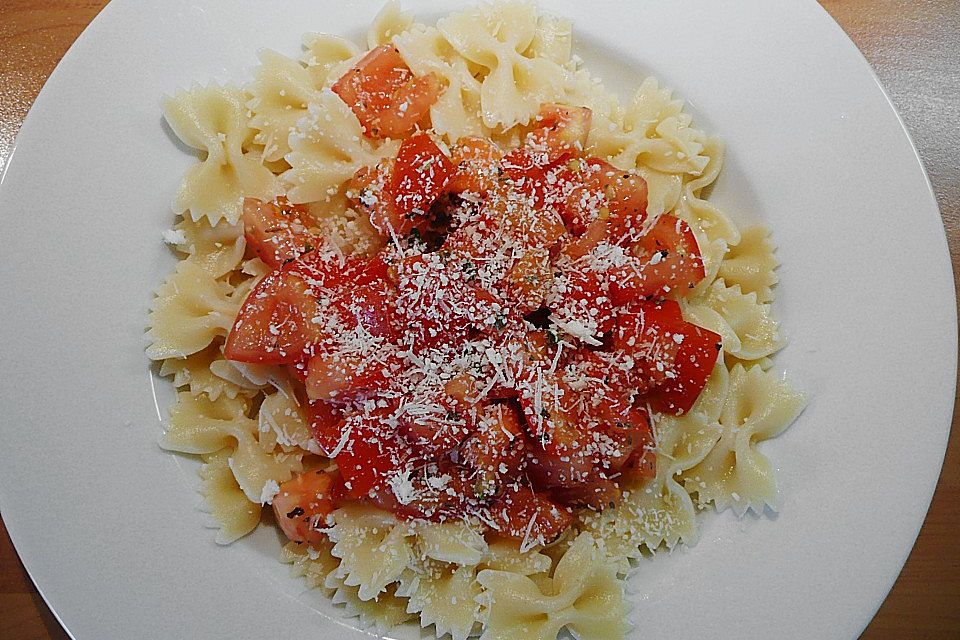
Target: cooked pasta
{"x":307,"y":141}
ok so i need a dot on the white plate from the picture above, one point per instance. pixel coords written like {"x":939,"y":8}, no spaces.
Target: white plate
{"x":106,"y":523}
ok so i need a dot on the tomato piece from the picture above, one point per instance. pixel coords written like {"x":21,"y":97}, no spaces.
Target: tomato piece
{"x":274,"y":324}
{"x":521,"y":514}
{"x":356,"y":345}
{"x":669,"y":353}
{"x":278,"y":231}
{"x":437,"y":423}
{"x":385,"y":95}
{"x":528,"y":174}
{"x":370,"y":456}
{"x":551,"y":421}
{"x":420,"y":175}
{"x":327,"y":424}
{"x":640,"y":466}
{"x":397,"y":194}
{"x":529,"y":280}
{"x":514,"y":216}
{"x":340,"y":375}
{"x":495,"y":451}
{"x":563,"y":129}
{"x":593,"y":234}
{"x":628,"y":207}
{"x":410,"y":105}
{"x":698,"y":352}
{"x":645,"y":333}
{"x":668,"y":260}
{"x":477,"y":165}
{"x":302,"y":505}
{"x":623,"y":427}
{"x":585,"y":200}
{"x":369,"y":191}
{"x":437,"y":491}
{"x":579,"y":305}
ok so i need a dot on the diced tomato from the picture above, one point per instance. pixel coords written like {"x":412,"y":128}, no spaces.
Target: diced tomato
{"x":437,"y":491}
{"x":528,"y":174}
{"x":477,"y":165}
{"x":515,"y":217}
{"x":593,"y":235}
{"x":275,"y":323}
{"x":303,"y":504}
{"x":578,"y":301}
{"x":326,"y":423}
{"x":278,"y":231}
{"x":547,"y":401}
{"x":640,"y":466}
{"x":645,"y":333}
{"x":699,"y":350}
{"x":521,"y":514}
{"x":563,"y":129}
{"x":420,"y":175}
{"x":671,"y":354}
{"x":369,"y":191}
{"x":529,"y":280}
{"x":668,"y":260}
{"x":438,"y":423}
{"x":385,"y":95}
{"x":397,"y":194}
{"x":623,"y":426}
{"x":372,"y":453}
{"x":628,"y":207}
{"x":495,"y":451}
{"x":357,"y":351}
{"x":341,"y":375}
{"x":372,"y":306}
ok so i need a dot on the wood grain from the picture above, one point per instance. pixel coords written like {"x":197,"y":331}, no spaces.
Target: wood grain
{"x":915,"y":50}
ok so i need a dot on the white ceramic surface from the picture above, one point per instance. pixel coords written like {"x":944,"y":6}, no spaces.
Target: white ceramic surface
{"x":106,"y":523}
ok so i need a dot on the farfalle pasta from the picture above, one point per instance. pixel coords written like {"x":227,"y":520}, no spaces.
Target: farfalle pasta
{"x":466,"y":321}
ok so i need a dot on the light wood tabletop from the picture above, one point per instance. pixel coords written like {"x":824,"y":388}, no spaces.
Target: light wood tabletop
{"x":914,"y":47}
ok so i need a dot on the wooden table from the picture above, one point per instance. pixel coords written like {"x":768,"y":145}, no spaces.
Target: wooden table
{"x":914,"y":47}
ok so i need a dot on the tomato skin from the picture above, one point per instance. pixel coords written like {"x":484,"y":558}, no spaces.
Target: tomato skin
{"x":550,"y":420}
{"x":645,"y":333}
{"x":384,"y":94}
{"x":436,"y":304}
{"x":356,"y":347}
{"x":397,"y":194}
{"x":671,"y":354}
{"x":369,"y":191}
{"x":582,"y":300}
{"x":628,"y":207}
{"x":514,"y":510}
{"x":303,"y":504}
{"x":278,"y":231}
{"x":527,"y":224}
